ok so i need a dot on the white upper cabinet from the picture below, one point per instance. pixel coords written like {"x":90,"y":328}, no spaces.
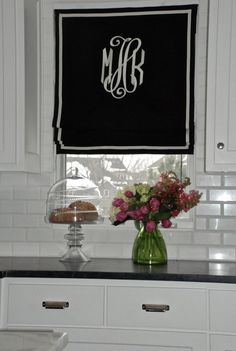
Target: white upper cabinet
{"x":221,"y":87}
{"x":19,"y":86}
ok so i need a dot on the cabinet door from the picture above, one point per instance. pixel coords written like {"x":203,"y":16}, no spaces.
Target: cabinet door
{"x":11,"y":82}
{"x":223,"y":343}
{"x":221,"y":87}
{"x":223,"y":311}
{"x":19,"y":86}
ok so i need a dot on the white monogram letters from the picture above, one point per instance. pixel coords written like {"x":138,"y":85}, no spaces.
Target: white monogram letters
{"x":128,"y":74}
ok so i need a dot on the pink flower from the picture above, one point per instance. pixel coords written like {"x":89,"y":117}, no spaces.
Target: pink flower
{"x":174,"y":213}
{"x":117,"y":202}
{"x":147,"y":204}
{"x":129,"y":194}
{"x":121,"y":216}
{"x":144,"y":209}
{"x":124,"y":206}
{"x":136,"y":214}
{"x":154,"y":204}
{"x":140,"y":215}
{"x":151,"y":226}
{"x":132,"y":214}
{"x":166,"y":223}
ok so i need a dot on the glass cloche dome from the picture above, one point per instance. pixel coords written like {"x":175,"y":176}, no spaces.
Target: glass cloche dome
{"x":74,"y":201}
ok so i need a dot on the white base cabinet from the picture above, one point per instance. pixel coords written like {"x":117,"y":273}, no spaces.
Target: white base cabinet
{"x":124,"y":315}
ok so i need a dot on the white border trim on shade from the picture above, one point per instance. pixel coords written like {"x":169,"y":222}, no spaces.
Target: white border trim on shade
{"x":112,"y":147}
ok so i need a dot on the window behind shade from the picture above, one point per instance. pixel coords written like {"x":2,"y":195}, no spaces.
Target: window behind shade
{"x":111,"y":172}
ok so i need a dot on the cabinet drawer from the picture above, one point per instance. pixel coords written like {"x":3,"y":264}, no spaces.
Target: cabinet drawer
{"x":223,"y":310}
{"x":36,"y":304}
{"x":187,"y":307}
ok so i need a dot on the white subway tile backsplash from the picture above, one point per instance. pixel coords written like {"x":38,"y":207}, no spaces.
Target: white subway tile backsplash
{"x":229,"y":238}
{"x":13,"y":179}
{"x":103,"y":236}
{"x":27,"y":193}
{"x":6,"y":249}
{"x":58,"y":233}
{"x":193,"y":252}
{"x":127,"y":251}
{"x":208,"y":209}
{"x":173,"y":252}
{"x":25,"y":249}
{"x":26,"y":221}
{"x":208,"y":180}
{"x":230,"y":209}
{"x":40,"y":179}
{"x":177,"y":237}
{"x":222,"y":195}
{"x":226,"y":254}
{"x":10,"y":206}
{"x":5,"y":220}
{"x":207,"y":238}
{"x":39,"y":235}
{"x":108,"y":250}
{"x":36,"y":207}
{"x":222,"y":224}
{"x":125,"y":237}
{"x":230,"y":180}
{"x":201,"y":223}
{"x":6,"y":193}
{"x":52,"y":249}
{"x":12,"y":234}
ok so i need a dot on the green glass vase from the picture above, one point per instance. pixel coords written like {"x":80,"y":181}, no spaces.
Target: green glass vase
{"x":149,"y":247}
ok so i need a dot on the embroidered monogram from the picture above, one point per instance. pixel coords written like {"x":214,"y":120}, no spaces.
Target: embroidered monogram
{"x":123,"y":75}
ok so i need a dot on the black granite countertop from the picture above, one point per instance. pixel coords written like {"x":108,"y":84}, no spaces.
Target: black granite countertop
{"x":105,"y":268}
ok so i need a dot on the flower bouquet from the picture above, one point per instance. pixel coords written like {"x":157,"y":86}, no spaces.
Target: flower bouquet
{"x":150,"y":206}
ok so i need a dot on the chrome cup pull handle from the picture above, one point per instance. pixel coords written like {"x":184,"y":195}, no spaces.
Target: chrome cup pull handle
{"x":56,"y":305}
{"x":155,"y":307}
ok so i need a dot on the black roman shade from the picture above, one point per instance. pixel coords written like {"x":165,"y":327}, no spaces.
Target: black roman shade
{"x":124,"y":80}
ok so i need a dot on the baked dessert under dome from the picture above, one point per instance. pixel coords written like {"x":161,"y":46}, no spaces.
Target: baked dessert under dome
{"x":74,"y":201}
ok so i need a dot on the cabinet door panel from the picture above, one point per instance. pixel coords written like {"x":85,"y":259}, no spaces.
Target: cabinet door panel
{"x":221,"y":87}
{"x":19,"y":86}
{"x":223,"y":311}
{"x":9,"y":57}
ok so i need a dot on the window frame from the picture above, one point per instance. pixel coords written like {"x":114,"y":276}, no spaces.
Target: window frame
{"x":186,"y":223}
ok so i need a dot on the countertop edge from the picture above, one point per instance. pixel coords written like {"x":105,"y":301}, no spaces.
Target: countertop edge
{"x":118,"y":269}
{"x":201,"y":278}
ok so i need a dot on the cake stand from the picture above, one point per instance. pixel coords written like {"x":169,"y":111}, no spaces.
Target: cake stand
{"x":74,"y":201}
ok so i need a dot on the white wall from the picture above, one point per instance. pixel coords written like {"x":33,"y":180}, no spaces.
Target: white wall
{"x":23,"y":231}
